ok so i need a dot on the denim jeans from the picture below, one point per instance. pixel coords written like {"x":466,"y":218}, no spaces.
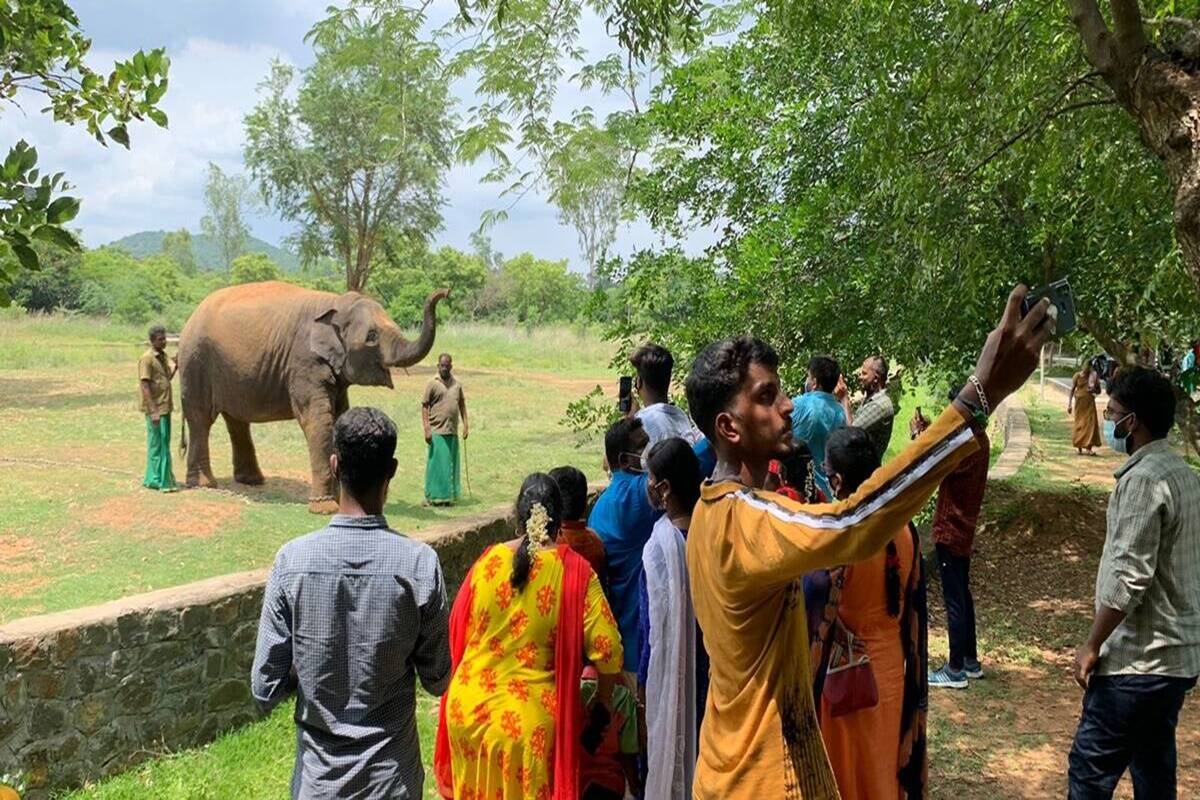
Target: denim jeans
{"x":960,"y":606}
{"x":1128,"y":722}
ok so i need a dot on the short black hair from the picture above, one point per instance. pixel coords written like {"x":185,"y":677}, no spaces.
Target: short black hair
{"x":445,"y":355}
{"x":673,"y":460}
{"x":573,"y":485}
{"x":825,"y":372}
{"x":852,"y":454}
{"x":654,"y":364}
{"x":881,"y":366}
{"x":617,"y":440}
{"x":717,"y":375}
{"x":156,"y":330}
{"x":1147,"y":393}
{"x":364,"y":439}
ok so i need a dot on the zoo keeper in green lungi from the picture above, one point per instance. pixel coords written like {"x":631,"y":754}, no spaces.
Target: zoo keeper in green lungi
{"x":154,"y":377}
{"x":441,"y":408}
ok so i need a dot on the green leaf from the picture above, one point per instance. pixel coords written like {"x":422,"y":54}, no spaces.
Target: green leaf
{"x":62,"y":210}
{"x":26,"y":255}
{"x":160,"y":118}
{"x":155,"y":91}
{"x":57,"y":236}
{"x":119,"y":135}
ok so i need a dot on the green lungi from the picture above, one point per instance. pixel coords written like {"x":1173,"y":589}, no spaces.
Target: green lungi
{"x":441,"y":469}
{"x":158,"y":454}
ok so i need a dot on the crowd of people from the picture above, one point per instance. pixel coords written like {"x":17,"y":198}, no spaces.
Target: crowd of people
{"x":742,"y":614}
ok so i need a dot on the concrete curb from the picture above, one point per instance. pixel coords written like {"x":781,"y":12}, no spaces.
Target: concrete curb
{"x":1013,"y":425}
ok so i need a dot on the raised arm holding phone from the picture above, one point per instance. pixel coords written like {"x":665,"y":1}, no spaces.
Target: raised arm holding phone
{"x":746,"y":551}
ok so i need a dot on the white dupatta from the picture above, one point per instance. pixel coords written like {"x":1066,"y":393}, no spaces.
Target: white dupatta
{"x":671,"y":674}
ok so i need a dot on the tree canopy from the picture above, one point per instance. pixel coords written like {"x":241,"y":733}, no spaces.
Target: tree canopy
{"x":42,"y":55}
{"x":358,"y":153}
{"x":882,"y":174}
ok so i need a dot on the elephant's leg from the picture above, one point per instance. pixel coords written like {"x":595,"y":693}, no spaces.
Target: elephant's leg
{"x":245,"y":462}
{"x":199,"y":466}
{"x":315,"y":415}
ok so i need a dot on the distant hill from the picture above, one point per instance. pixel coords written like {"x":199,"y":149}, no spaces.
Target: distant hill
{"x":204,"y":249}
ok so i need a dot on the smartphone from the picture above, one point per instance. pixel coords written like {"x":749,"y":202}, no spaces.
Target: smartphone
{"x":1062,"y":305}
{"x":625,"y":394}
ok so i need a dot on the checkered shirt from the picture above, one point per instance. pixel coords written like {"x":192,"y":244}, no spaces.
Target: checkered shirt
{"x":1150,"y":568}
{"x":352,"y":614}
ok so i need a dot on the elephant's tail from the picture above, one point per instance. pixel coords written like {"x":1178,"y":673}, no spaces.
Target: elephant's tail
{"x":182,"y":428}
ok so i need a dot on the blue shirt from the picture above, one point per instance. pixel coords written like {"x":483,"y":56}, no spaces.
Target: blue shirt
{"x":623,"y":519}
{"x":352,"y":616}
{"x":707,"y":457}
{"x":817,"y":414}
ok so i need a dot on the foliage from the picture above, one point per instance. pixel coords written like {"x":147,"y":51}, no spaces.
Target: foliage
{"x":535,"y":291}
{"x":55,"y":284}
{"x":358,"y":153}
{"x":587,"y":171}
{"x":409,"y":273}
{"x":519,"y":54}
{"x":253,"y":268}
{"x":177,"y":246}
{"x":227,"y":198}
{"x":912,"y":177}
{"x":43,"y":52}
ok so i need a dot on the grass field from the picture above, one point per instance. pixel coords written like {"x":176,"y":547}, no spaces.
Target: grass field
{"x":76,"y":528}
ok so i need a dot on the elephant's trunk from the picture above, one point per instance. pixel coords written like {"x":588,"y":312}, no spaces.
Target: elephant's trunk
{"x":404,"y":353}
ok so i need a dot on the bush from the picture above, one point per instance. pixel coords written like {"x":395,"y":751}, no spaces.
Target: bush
{"x":252,"y":268}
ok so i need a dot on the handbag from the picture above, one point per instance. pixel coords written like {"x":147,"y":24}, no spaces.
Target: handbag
{"x":848,"y":683}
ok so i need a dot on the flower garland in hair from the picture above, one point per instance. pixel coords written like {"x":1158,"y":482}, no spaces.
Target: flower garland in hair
{"x":537,"y":528}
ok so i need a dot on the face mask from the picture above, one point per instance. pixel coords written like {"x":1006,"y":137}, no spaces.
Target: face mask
{"x":1120,"y":444}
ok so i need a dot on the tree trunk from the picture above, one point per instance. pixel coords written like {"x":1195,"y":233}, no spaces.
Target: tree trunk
{"x":1161,"y":92}
{"x":1165,"y":104}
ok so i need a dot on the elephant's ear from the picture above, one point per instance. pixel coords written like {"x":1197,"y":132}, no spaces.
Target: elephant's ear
{"x":325,"y":341}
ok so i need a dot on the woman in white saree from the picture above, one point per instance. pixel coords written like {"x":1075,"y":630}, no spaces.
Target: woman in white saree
{"x":668,"y":660}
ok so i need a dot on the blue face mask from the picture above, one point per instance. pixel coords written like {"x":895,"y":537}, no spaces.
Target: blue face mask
{"x":1120,"y":444}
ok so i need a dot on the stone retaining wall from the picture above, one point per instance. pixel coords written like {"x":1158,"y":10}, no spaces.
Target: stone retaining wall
{"x":89,"y":692}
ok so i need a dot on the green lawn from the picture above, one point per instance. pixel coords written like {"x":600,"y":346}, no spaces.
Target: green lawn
{"x":250,"y":763}
{"x":76,"y":528}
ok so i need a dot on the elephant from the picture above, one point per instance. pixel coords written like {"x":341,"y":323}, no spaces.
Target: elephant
{"x":262,"y":352}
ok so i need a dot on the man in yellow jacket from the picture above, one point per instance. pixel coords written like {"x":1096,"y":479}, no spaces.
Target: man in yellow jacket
{"x":747,"y":550}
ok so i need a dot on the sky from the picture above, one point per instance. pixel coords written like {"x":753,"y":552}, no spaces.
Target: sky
{"x":220,"y":50}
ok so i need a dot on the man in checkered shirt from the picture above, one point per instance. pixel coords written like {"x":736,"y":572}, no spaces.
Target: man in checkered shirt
{"x":1143,"y":653}
{"x":352,"y":615}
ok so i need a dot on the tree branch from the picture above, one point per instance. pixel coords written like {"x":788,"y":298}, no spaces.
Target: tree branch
{"x":1036,"y":125}
{"x":1097,"y":42}
{"x":1128,"y":30}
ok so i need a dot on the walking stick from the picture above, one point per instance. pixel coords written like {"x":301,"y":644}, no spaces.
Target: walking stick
{"x":467,"y":469}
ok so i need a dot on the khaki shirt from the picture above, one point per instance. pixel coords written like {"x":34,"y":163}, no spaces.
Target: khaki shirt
{"x":442,"y":402}
{"x":153,"y":367}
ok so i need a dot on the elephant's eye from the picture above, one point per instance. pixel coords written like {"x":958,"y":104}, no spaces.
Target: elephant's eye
{"x":372,"y":337}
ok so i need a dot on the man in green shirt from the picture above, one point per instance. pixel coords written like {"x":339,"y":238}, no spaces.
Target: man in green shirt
{"x":441,"y":408}
{"x":154,"y":377}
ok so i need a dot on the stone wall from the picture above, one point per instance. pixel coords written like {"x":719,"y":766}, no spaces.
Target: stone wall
{"x":89,"y":692}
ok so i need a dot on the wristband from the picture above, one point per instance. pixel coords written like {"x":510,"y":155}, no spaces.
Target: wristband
{"x":983,"y":401}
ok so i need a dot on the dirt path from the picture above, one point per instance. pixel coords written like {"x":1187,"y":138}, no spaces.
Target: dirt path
{"x":1033,"y":576}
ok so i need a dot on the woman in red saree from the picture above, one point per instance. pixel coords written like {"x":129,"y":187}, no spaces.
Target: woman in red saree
{"x":527,"y":615}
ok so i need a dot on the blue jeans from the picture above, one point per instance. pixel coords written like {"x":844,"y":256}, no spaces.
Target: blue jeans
{"x":960,"y":606}
{"x":1128,"y":722}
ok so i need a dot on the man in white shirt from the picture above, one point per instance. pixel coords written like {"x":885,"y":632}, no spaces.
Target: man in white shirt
{"x":660,"y":418}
